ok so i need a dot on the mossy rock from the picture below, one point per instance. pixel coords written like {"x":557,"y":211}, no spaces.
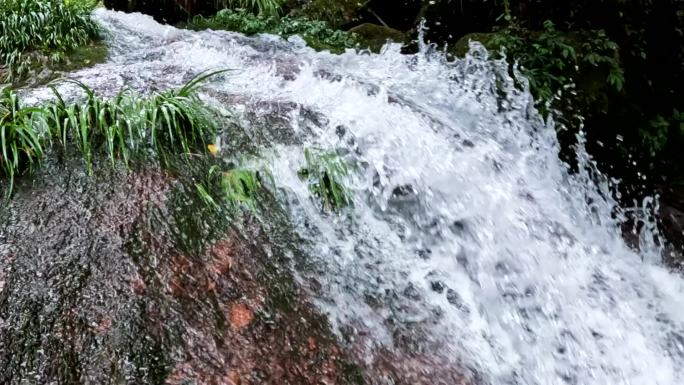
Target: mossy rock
{"x":374,"y":36}
{"x":460,"y":49}
{"x":83,"y":57}
{"x":336,"y":12}
{"x":43,"y":70}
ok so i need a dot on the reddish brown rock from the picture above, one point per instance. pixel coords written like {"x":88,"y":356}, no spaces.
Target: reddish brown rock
{"x":240,"y":316}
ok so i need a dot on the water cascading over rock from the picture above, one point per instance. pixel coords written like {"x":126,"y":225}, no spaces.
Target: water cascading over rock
{"x":468,"y":255}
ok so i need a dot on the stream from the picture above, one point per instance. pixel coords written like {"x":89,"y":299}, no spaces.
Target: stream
{"x":469,"y":246}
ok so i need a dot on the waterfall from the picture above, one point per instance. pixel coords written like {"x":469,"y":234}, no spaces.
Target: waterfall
{"x":469,"y":243}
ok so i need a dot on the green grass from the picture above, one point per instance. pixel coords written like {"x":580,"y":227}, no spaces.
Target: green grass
{"x":166,"y":124}
{"x":325,"y":173}
{"x":38,"y":33}
{"x":236,"y":189}
{"x":317,"y":34}
{"x":240,"y":187}
{"x":262,"y":7}
{"x":21,"y":147}
{"x":169,"y":122}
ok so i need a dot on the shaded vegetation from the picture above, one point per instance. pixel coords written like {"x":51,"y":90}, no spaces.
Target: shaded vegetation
{"x":38,"y":33}
{"x":338,"y":13}
{"x":235,"y":189}
{"x":612,"y":67}
{"x":552,"y":61}
{"x":325,"y":173}
{"x":317,"y":34}
{"x":263,"y":7}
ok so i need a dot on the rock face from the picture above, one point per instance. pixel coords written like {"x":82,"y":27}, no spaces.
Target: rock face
{"x":115,"y":279}
{"x":126,"y":277}
{"x":672,"y":224}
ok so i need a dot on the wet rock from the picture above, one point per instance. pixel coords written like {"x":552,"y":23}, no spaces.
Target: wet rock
{"x":124,"y":277}
{"x":403,"y":191}
{"x":110,"y":287}
{"x":455,"y":299}
{"x":671,"y":223}
{"x":458,"y":227}
{"x":424,"y":253}
{"x":462,"y":46}
{"x":437,"y":286}
{"x":374,"y":36}
{"x":340,"y":131}
{"x":420,"y":369}
{"x":411,"y":292}
{"x":240,"y":316}
{"x":467,"y":143}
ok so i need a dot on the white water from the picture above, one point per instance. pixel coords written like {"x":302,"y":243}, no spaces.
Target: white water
{"x":539,"y":287}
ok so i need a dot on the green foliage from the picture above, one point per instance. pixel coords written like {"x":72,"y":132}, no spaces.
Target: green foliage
{"x":261,"y":7}
{"x":179,"y":119}
{"x":236,"y":189}
{"x":170,"y":122}
{"x":599,"y":51}
{"x":551,"y":59}
{"x":40,"y":32}
{"x":335,"y":12}
{"x":656,"y":134}
{"x":21,"y":147}
{"x":87,"y":5}
{"x":174,"y":120}
{"x":325,"y":172}
{"x":317,"y":34}
{"x":240,"y":187}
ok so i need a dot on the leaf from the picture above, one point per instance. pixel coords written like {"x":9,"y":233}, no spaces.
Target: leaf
{"x":213,"y":149}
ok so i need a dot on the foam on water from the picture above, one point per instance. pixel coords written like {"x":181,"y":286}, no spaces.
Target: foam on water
{"x":468,"y":239}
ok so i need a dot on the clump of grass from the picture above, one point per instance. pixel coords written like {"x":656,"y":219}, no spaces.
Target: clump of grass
{"x":317,"y":34}
{"x":21,"y":146}
{"x":325,"y":172}
{"x":179,"y":119}
{"x":35,"y":33}
{"x":262,"y":7}
{"x":240,"y":187}
{"x":170,"y":123}
{"x":236,"y":189}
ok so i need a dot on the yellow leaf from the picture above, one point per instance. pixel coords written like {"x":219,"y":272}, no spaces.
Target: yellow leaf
{"x":213,"y":149}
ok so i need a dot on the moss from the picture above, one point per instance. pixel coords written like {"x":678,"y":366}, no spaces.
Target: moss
{"x":463,"y":44}
{"x":336,"y":12}
{"x":374,"y":36}
{"x":84,"y":57}
{"x":317,"y":34}
{"x":43,"y":71}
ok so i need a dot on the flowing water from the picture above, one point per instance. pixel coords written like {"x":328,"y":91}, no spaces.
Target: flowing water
{"x":469,"y":243}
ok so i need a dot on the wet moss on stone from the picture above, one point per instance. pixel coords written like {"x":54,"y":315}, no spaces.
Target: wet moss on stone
{"x":375,"y":36}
